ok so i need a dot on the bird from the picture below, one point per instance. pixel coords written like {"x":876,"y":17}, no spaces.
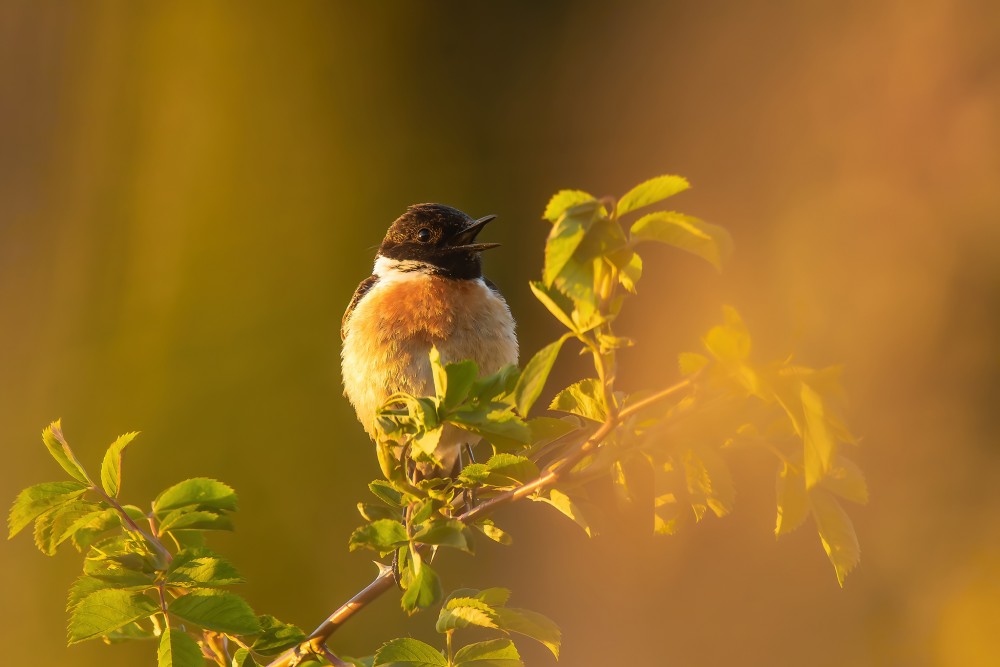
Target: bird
{"x":427,"y":288}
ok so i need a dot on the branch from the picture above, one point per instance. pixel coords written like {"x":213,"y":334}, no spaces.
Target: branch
{"x":316,"y":642}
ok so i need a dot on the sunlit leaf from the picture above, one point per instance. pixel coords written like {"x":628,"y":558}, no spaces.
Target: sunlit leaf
{"x":836,"y":532}
{"x":492,"y":653}
{"x":55,"y":526}
{"x":178,"y":649}
{"x":200,"y":567}
{"x":408,"y":653}
{"x":461,"y":612}
{"x":276,"y":636}
{"x":186,"y":518}
{"x":820,"y":447}
{"x":536,"y":372}
{"x":710,"y":242}
{"x":40,"y":498}
{"x":111,"y":467}
{"x":221,"y":611}
{"x":563,"y":200}
{"x":565,"y":237}
{"x":492,"y":531}
{"x":531,"y":624}
{"x":200,"y":491}
{"x":847,"y":481}
{"x":584,"y":398}
{"x":556,"y":303}
{"x":106,"y":610}
{"x":382,"y":535}
{"x":423,"y":589}
{"x":650,"y":192}
{"x":565,"y":504}
{"x":444,"y":532}
{"x":793,"y":500}
{"x":56,"y":443}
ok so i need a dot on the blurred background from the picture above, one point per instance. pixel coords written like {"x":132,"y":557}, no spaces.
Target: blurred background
{"x":190,"y":192}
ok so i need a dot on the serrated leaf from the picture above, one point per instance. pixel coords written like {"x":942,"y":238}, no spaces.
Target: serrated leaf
{"x":445,"y":532}
{"x":709,"y":482}
{"x":492,"y":531}
{"x":565,"y":504}
{"x":710,"y":242}
{"x":461,"y":612}
{"x":103,"y":611}
{"x":820,"y":447}
{"x":178,"y":649}
{"x":531,"y":624}
{"x":566,"y":236}
{"x":201,"y":492}
{"x":243,"y":658}
{"x":200,"y":567}
{"x":59,"y":449}
{"x":55,"y":526}
{"x":221,"y":611}
{"x":38,"y":499}
{"x":492,"y":653}
{"x":382,"y":535}
{"x":386,"y":493}
{"x":190,"y":519}
{"x":507,"y":469}
{"x":423,"y":588}
{"x":793,"y":500}
{"x":111,"y":467}
{"x":630,"y":272}
{"x":836,"y":532}
{"x":82,"y":587}
{"x":563,"y":200}
{"x":276,"y":636}
{"x":500,"y":426}
{"x":89,"y":527}
{"x":536,"y":372}
{"x":556,"y":303}
{"x":847,"y":481}
{"x":584,"y":398}
{"x":408,"y":653}
{"x":650,"y":192}
{"x":374,"y":512}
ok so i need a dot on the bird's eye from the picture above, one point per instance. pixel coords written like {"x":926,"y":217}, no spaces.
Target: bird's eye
{"x":424,"y":235}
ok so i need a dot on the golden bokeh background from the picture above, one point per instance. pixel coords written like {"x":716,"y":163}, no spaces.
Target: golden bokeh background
{"x":190,"y":191}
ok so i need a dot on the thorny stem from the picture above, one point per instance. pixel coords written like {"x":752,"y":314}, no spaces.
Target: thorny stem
{"x":316,"y":642}
{"x":161,"y":550}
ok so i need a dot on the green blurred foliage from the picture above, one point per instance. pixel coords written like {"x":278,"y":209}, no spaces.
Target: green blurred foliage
{"x":189,"y":193}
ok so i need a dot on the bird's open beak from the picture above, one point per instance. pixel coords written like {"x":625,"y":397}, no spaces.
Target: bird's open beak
{"x":464,"y":240}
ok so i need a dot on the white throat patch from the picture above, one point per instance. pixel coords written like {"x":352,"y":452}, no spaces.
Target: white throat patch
{"x":400,"y":269}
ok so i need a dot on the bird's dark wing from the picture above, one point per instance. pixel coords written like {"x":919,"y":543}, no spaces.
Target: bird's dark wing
{"x":363,"y":288}
{"x":492,"y":286}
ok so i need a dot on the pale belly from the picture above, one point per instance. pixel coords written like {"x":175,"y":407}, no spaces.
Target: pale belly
{"x":390,"y":333}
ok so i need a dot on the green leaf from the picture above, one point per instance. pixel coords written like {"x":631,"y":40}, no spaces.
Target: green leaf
{"x":820,"y":446}
{"x":565,"y":238}
{"x":500,"y":426}
{"x":510,"y":470}
{"x":40,"y":498}
{"x":461,"y":377}
{"x":583,"y":398}
{"x":386,"y":493}
{"x":836,"y":532}
{"x":710,"y":242}
{"x":189,"y":518}
{"x":423,"y":588}
{"x":461,"y":612}
{"x":201,"y":492}
{"x":198,"y":567}
{"x":630,"y":272}
{"x":82,"y":587}
{"x":221,"y":611}
{"x":382,"y":535}
{"x":89,"y":527}
{"x":445,"y":532}
{"x":563,"y":200}
{"x":178,"y":649}
{"x":374,"y":512}
{"x":55,"y":526}
{"x":111,"y":467}
{"x":243,"y":658}
{"x":709,"y":482}
{"x":556,"y":303}
{"x":408,"y":653}
{"x":565,"y":504}
{"x":490,"y":530}
{"x":276,"y":636}
{"x":793,"y":500}
{"x":492,"y":653}
{"x":531,"y":624}
{"x":650,"y":192}
{"x":56,"y":443}
{"x":536,"y":372}
{"x":103,"y":611}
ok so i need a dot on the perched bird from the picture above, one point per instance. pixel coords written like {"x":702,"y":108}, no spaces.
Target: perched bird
{"x":427,"y":288}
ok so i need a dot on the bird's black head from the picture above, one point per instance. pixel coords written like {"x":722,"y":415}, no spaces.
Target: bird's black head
{"x":439,"y":237}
